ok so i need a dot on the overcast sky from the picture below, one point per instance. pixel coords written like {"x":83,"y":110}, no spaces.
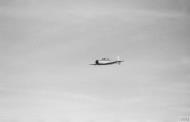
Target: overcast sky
{"x":46,"y":46}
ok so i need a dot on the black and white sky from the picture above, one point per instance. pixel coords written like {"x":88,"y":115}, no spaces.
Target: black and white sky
{"x":46,"y":46}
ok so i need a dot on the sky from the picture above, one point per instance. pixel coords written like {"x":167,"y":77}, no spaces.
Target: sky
{"x":46,"y":47}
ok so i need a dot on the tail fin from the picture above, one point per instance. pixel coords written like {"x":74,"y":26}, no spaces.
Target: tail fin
{"x":118,"y":58}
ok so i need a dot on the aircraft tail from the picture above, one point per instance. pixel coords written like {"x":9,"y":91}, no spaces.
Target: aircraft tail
{"x":119,"y":60}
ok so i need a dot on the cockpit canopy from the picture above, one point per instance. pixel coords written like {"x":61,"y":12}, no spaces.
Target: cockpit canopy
{"x":105,"y":59}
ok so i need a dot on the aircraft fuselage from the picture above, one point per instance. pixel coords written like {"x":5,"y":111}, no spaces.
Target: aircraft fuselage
{"x":101,"y":62}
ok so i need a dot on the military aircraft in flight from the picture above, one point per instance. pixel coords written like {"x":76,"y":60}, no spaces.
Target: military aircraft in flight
{"x":107,"y":61}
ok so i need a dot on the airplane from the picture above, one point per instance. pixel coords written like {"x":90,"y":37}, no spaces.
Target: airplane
{"x":107,"y":61}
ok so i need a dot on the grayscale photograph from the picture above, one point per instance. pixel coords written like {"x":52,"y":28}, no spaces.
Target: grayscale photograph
{"x":94,"y":60}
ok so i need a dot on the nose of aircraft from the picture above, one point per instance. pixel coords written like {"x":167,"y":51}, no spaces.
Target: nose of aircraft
{"x":96,"y":62}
